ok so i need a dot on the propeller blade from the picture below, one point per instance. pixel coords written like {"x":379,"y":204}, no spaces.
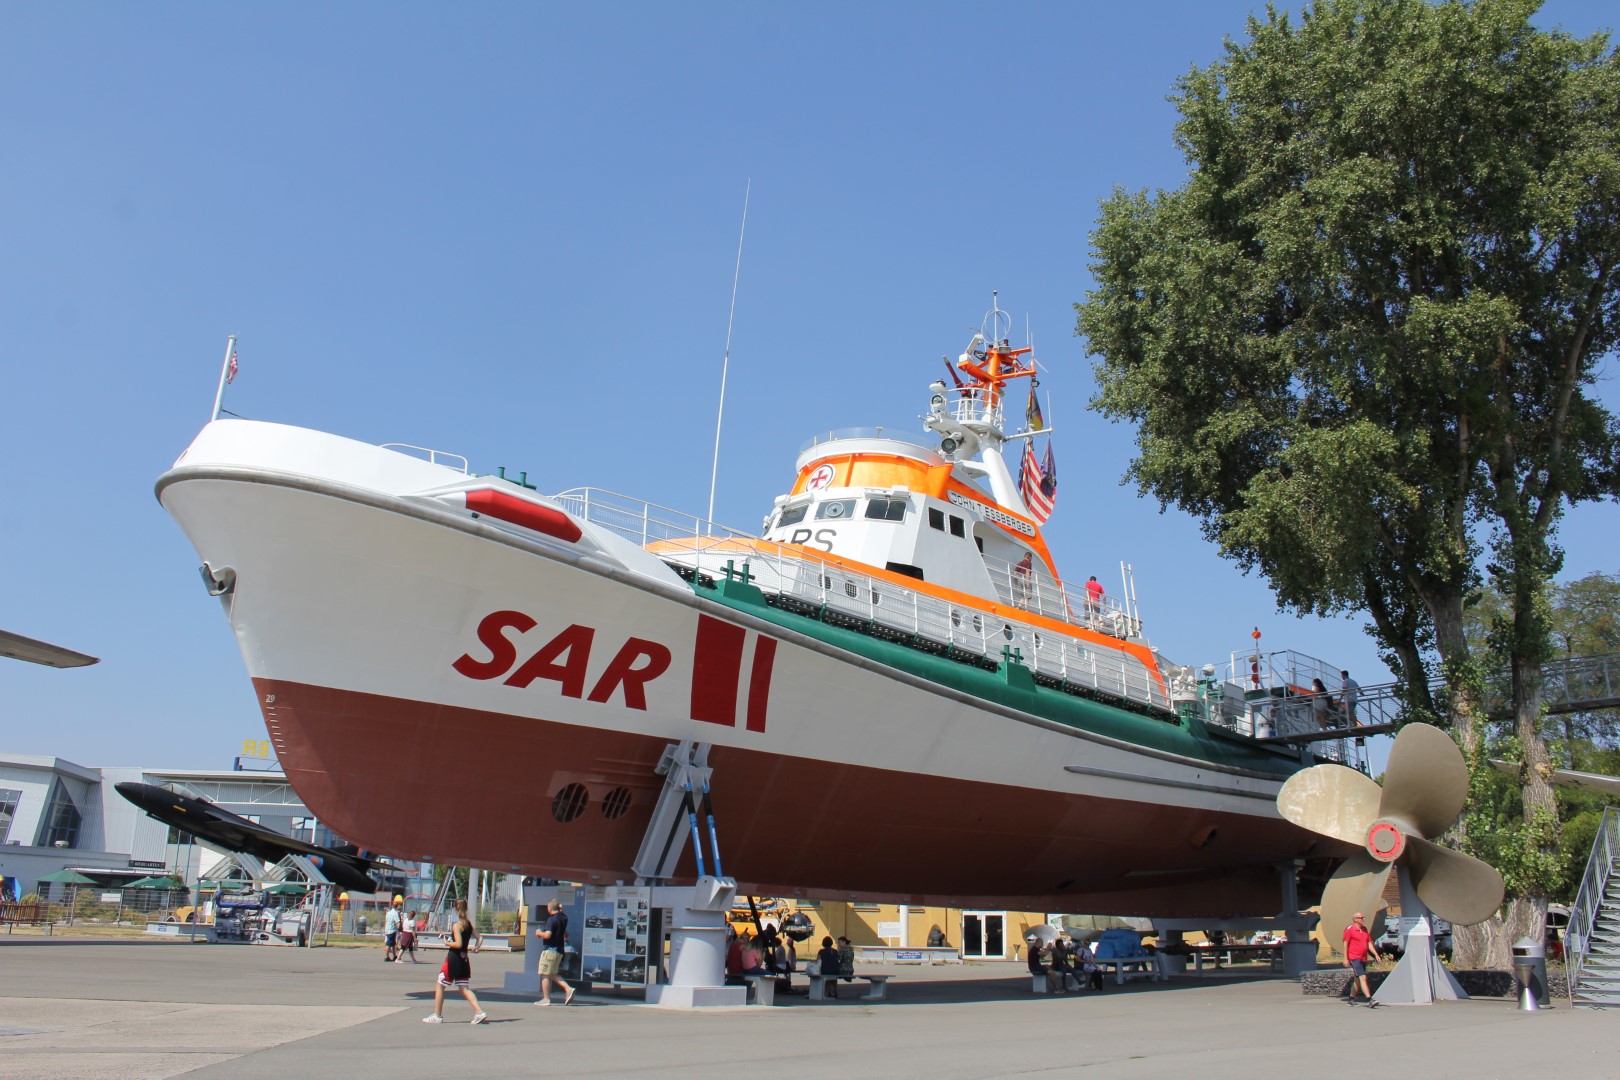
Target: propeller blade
{"x":1331,"y":800}
{"x":1459,"y":888}
{"x":1426,"y":782}
{"x":1358,"y":885}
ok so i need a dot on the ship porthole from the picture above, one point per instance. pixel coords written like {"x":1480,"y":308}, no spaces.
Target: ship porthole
{"x":850,"y":589}
{"x":1006,"y":631}
{"x":956,"y":617}
{"x":570,"y":802}
{"x":978,"y":625}
{"x":615,"y":803}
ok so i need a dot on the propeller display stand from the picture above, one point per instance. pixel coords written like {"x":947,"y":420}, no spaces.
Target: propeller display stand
{"x":1394,"y":828}
{"x":1420,"y":978}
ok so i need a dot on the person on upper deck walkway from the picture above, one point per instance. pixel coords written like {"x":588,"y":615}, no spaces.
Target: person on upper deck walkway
{"x":1349,"y":694}
{"x":1319,"y":703}
{"x":1094,"y":596}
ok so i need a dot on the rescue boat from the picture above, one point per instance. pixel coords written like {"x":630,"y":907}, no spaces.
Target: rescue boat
{"x":901,"y":698}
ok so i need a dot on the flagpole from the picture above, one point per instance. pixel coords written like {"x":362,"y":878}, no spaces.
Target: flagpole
{"x":725,"y":360}
{"x":224,"y":374}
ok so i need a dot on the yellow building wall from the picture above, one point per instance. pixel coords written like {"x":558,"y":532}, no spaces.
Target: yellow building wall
{"x":861,"y":924}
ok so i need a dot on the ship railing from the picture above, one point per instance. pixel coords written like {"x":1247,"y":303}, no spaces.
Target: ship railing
{"x":857,"y":597}
{"x":435,"y":457}
{"x":839,"y":594}
{"x":1255,"y":669}
{"x":1036,"y":591}
{"x":879,"y":432}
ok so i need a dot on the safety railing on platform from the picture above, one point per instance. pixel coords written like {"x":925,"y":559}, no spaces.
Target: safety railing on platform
{"x":838,"y":594}
{"x":1583,"y":914}
{"x":1037,"y":592}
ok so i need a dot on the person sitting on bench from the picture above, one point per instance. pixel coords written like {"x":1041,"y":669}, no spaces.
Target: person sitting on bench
{"x":828,"y":960}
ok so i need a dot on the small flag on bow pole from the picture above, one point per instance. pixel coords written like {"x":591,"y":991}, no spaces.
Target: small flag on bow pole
{"x":227,"y":372}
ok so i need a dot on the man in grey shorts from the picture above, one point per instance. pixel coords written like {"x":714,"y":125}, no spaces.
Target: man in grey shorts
{"x":553,"y":937}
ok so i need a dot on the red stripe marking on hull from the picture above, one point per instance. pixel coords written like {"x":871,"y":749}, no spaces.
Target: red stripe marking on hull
{"x":759,"y":682}
{"x":716,"y":670}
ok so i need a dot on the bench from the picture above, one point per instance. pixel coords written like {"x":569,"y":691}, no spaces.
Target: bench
{"x":1080,"y":979}
{"x":876,"y":989}
{"x":14,"y":913}
{"x":1134,"y":967}
{"x":1272,"y":954}
{"x":762,"y":988}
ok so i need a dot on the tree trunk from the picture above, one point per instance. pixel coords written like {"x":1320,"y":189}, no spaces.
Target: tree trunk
{"x":1473,"y":947}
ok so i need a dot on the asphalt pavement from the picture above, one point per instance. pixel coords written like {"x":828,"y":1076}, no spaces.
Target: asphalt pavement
{"x":146,"y":1010}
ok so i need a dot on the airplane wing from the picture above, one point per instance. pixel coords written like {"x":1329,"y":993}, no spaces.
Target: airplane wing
{"x":41,"y":652}
{"x":216,"y":825}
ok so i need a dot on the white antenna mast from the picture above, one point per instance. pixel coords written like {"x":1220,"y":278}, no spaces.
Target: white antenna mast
{"x":725,"y":360}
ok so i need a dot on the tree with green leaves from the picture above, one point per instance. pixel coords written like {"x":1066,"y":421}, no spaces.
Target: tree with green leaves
{"x":1359,"y":343}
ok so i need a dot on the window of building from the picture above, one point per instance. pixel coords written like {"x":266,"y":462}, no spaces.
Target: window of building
{"x":957,"y":528}
{"x":61,"y":821}
{"x":836,"y":508}
{"x":9,"y":798}
{"x":936,"y":518}
{"x":179,"y":836}
{"x":886,"y":509}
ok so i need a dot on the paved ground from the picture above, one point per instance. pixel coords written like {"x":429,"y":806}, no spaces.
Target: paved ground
{"x":138,"y":1010}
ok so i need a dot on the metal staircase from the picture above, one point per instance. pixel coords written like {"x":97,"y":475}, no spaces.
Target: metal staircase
{"x":1592,"y":942}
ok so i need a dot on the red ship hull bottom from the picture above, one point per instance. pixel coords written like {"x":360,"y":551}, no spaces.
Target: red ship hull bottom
{"x":465,"y":787}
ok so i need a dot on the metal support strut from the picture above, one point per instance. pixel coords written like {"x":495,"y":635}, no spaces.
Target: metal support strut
{"x":697,"y":923}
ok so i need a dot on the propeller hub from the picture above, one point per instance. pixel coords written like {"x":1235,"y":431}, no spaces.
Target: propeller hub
{"x":1385,"y":841}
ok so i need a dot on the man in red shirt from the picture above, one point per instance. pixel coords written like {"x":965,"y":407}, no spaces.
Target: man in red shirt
{"x":1094,"y":596}
{"x":1358,"y":944}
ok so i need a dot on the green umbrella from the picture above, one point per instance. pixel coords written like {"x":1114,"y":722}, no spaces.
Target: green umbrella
{"x":152,"y":883}
{"x":66,"y":877}
{"x":285,"y":888}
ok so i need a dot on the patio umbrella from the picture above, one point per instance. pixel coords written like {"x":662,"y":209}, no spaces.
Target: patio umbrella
{"x":151,"y":883}
{"x":67,"y":877}
{"x":287,"y":888}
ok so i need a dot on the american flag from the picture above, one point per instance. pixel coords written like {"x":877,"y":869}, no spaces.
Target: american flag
{"x":1032,"y":484}
{"x":230,"y":368}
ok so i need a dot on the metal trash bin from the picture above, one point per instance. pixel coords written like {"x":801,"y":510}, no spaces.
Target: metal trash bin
{"x":1530,"y":969}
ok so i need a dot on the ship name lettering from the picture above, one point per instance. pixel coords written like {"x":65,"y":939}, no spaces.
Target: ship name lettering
{"x":565,"y":659}
{"x":822,"y":538}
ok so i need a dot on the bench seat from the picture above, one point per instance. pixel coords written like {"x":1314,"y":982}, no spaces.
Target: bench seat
{"x":876,"y":987}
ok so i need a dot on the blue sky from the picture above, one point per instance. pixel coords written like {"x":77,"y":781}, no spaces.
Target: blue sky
{"x":508,"y":230}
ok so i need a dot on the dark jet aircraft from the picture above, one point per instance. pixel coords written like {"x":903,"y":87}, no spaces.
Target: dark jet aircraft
{"x":220,"y":827}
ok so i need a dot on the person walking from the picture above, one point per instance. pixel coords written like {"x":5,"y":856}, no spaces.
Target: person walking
{"x":1358,"y":945}
{"x":554,"y":938}
{"x":391,"y":933}
{"x":407,"y":939}
{"x":456,"y":973}
{"x":1349,"y":694}
{"x":1319,"y":704}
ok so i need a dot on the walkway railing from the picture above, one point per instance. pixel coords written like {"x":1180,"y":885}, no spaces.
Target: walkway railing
{"x":1589,"y":901}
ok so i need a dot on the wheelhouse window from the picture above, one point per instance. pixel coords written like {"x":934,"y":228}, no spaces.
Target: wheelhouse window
{"x":792,"y":515}
{"x":957,"y":527}
{"x":936,"y":518}
{"x":836,"y":509}
{"x":886,"y":509}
